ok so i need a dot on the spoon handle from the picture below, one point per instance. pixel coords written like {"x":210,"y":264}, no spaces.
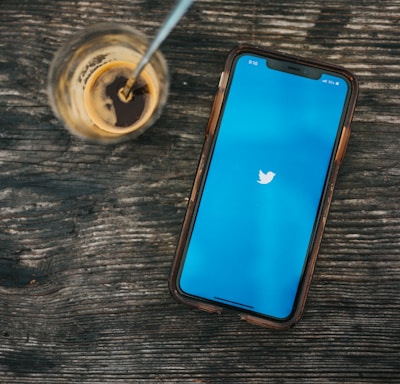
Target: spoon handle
{"x":169,"y":23}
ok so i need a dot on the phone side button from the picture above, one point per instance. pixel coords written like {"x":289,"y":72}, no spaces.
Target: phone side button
{"x":215,"y":109}
{"x":344,"y":139}
{"x":221,"y":78}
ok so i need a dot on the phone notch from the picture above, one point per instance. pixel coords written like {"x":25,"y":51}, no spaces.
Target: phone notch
{"x":294,"y":68}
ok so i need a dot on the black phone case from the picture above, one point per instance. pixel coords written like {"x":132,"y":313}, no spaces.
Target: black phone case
{"x":339,"y":153}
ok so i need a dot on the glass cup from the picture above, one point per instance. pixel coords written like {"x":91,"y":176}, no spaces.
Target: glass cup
{"x":87,"y":74}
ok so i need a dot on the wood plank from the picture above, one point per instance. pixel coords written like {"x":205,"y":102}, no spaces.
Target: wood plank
{"x":88,"y":232}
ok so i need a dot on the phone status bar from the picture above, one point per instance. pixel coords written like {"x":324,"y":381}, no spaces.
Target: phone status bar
{"x":330,"y":80}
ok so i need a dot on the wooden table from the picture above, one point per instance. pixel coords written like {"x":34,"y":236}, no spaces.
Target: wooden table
{"x":88,"y":232}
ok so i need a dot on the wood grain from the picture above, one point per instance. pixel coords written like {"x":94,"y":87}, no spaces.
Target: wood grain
{"x":88,"y":232}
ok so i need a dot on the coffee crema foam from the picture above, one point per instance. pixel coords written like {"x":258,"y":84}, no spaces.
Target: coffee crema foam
{"x":107,"y":110}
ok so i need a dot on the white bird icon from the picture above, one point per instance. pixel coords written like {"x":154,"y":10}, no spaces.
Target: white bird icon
{"x":265,"y":178}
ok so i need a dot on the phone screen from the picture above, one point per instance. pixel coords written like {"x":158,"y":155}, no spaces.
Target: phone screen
{"x":255,"y":220}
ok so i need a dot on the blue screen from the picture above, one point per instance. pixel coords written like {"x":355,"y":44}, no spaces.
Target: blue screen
{"x":259,"y":203}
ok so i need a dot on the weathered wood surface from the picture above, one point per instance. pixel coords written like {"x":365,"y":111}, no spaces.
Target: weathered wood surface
{"x":88,"y":232}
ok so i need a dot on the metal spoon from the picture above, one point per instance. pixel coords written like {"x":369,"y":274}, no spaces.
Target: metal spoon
{"x":169,"y":23}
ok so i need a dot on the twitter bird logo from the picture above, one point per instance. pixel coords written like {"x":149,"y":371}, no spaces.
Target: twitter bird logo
{"x":265,"y":178}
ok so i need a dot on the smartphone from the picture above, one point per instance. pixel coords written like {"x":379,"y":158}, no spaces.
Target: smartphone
{"x":277,"y":134}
